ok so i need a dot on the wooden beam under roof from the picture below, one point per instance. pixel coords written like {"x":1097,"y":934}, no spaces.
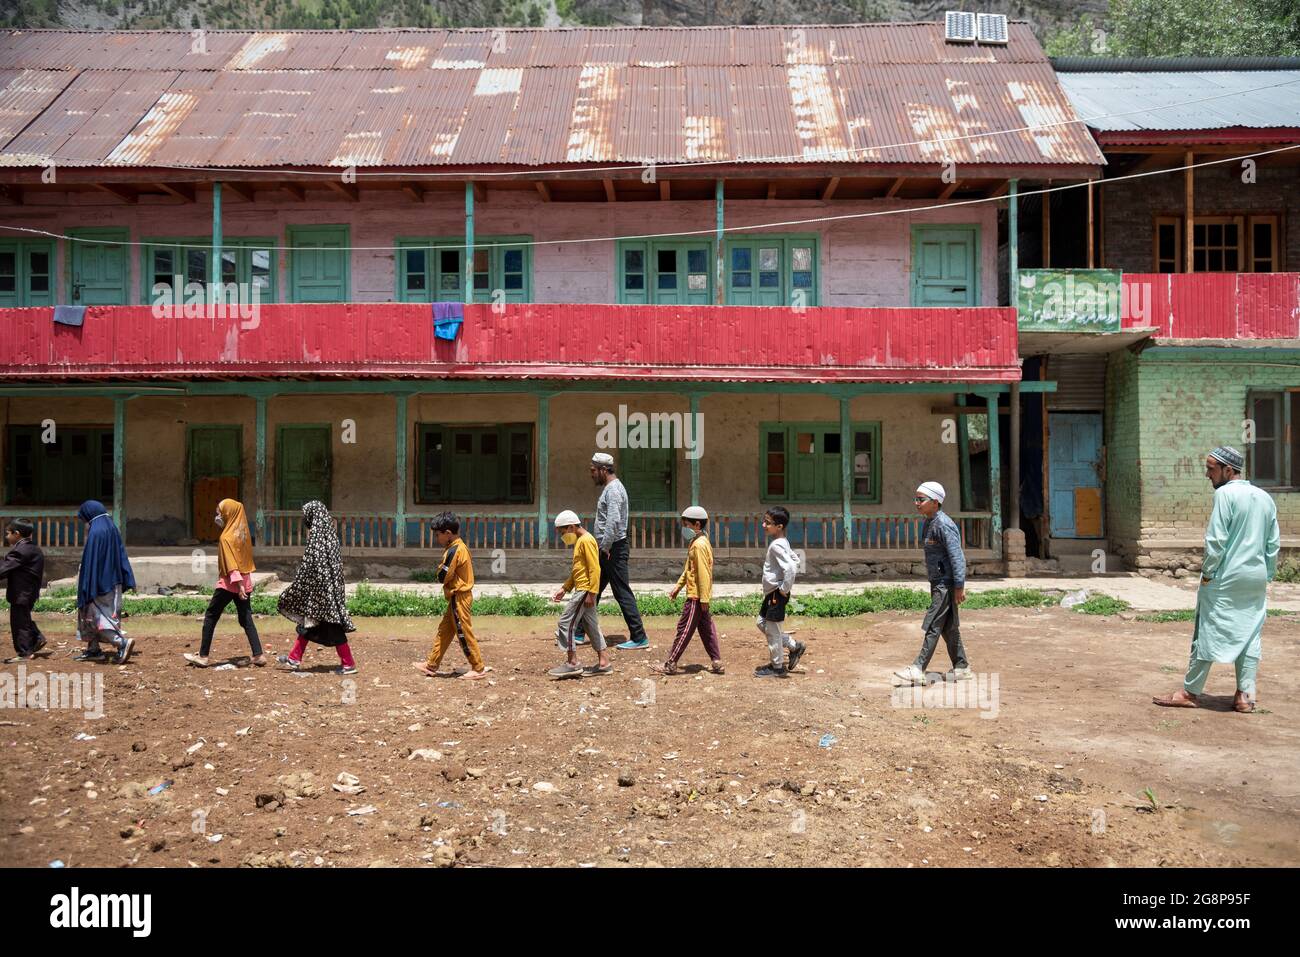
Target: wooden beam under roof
{"x":121,"y":192}
{"x":665,"y":189}
{"x":414,"y":190}
{"x":895,"y":187}
{"x":244,"y":191}
{"x":349,"y":190}
{"x":829,"y":190}
{"x":610,"y":195}
{"x":183,"y":191}
{"x":296,"y":190}
{"x":544,"y":191}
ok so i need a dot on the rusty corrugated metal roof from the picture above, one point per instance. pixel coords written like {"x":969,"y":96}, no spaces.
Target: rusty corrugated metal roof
{"x":531,"y":97}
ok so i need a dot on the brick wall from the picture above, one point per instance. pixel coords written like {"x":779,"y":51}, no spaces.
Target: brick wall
{"x":1123,"y":478}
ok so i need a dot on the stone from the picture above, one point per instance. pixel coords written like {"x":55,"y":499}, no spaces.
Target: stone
{"x":424,"y":754}
{"x":455,"y":771}
{"x":444,"y":856}
{"x":139,"y":746}
{"x":270,"y":801}
{"x":625,"y":779}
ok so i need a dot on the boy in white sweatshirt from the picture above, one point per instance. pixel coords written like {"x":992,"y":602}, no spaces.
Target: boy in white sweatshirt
{"x":779,"y":570}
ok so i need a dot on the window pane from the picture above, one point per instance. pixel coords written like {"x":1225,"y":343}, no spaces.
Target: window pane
{"x":1230,"y":260}
{"x":449,"y":261}
{"x":633,"y":260}
{"x":489,"y":443}
{"x":1262,"y":246}
{"x":769,"y":280}
{"x":415,"y":281}
{"x":696,"y":260}
{"x":163,"y":265}
{"x":260,"y":269}
{"x":740,"y":257}
{"x":806,"y":443}
{"x":229,"y":266}
{"x":1167,"y":241}
{"x":801,"y":258}
{"x":449,"y":282}
{"x":40,"y":261}
{"x":514,"y":260}
{"x":775,"y":442}
{"x":514,"y":281}
{"x":196,"y":265}
{"x":667,"y":260}
{"x":667,"y":280}
{"x":414,"y":261}
{"x":481,"y":259}
{"x":634,"y":281}
{"x":480,"y":280}
{"x":8,"y":264}
{"x":696,"y":281}
{"x":831,"y":443}
{"x":776,"y":485}
{"x":464,"y":444}
{"x":38,"y":283}
{"x":802,"y":280}
{"x":769,"y":258}
{"x":742,"y":280}
{"x":1215,"y":235}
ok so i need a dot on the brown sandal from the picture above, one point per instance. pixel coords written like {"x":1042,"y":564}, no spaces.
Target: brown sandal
{"x":664,"y":669}
{"x":718,"y":669}
{"x":1241,"y":704}
{"x":1169,"y":701}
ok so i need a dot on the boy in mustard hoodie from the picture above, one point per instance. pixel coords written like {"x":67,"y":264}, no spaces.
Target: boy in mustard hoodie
{"x":697,"y":576}
{"x":456,"y":572}
{"x":584,"y":579}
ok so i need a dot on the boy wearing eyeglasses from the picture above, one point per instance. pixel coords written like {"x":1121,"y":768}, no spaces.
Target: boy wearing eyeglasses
{"x":779,"y":569}
{"x":946,"y":565}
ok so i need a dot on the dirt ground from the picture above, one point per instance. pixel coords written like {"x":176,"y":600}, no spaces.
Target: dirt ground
{"x":691,"y":770}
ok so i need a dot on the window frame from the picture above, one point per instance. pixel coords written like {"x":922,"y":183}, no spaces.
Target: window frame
{"x":105,"y":490}
{"x":243,"y":245}
{"x":496,"y":247}
{"x":22,"y":294}
{"x":1246,"y":253}
{"x":293,"y":234}
{"x":791,"y":429}
{"x":787,"y":243}
{"x":650,"y":248}
{"x":1287,"y":464}
{"x":501,"y":494}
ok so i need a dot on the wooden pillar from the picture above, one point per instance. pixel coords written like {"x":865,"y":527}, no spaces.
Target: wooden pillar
{"x":469,"y":242}
{"x":1092,"y":258}
{"x":1013,"y":243}
{"x":1013,"y":480}
{"x":995,"y":476}
{"x":543,"y":467}
{"x":697,"y":436}
{"x":119,"y":463}
{"x":259,"y":460}
{"x":1189,"y":209}
{"x":1047,"y":228}
{"x":402,"y":470}
{"x":720,"y":287}
{"x":216,"y":244}
{"x":846,"y":470}
{"x":963,"y":456}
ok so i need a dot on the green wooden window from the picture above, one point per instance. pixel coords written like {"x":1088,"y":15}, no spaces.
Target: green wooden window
{"x":462,"y":463}
{"x":75,"y":467}
{"x":27,"y":274}
{"x":672,"y":272}
{"x":319,"y":264}
{"x":431,"y":270}
{"x":772,"y":271}
{"x":800,"y":462}
{"x":1272,"y":460}
{"x":304,"y":465}
{"x":247,"y":263}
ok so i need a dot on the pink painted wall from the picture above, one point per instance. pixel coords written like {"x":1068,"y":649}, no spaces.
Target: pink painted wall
{"x":864,"y":262}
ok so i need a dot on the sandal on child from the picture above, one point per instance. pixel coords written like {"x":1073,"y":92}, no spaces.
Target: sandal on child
{"x":664,"y":669}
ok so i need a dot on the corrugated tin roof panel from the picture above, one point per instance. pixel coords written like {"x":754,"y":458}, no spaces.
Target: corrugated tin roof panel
{"x":1180,"y":101}
{"x":537,"y":97}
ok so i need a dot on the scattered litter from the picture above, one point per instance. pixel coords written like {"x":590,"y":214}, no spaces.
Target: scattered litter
{"x":368,"y":809}
{"x":56,"y":864}
{"x":195,"y":746}
{"x":158,"y":789}
{"x":222,"y":791}
{"x":82,"y":736}
{"x":216,"y":838}
{"x":243,"y":731}
{"x":1075,"y":598}
{"x":827,"y":740}
{"x":226,"y":667}
{"x":448,"y":804}
{"x":544,"y":786}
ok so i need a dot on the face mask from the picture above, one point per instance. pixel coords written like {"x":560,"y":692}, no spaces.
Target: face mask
{"x":569,"y":537}
{"x":688,"y":533}
{"x":221,"y":522}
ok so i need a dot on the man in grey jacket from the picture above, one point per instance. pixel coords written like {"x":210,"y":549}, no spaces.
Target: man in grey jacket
{"x":945,"y":564}
{"x":610,"y":530}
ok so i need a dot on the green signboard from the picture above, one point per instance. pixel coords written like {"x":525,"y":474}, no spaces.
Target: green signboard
{"x":1069,"y":300}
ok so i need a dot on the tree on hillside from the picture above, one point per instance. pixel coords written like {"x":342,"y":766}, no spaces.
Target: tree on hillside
{"x":1152,"y":28}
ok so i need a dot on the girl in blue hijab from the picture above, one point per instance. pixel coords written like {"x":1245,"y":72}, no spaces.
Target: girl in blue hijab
{"x":104,"y":573}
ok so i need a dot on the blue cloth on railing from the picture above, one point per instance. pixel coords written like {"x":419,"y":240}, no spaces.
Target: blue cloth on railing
{"x":447,"y":317}
{"x":69,"y":315}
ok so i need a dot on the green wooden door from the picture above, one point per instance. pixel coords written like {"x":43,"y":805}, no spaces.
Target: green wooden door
{"x":683,"y":274}
{"x":944,"y":266}
{"x":26,"y":274}
{"x":319,"y":264}
{"x":648,"y":476}
{"x":214,"y":473}
{"x":303,"y":465}
{"x":99,"y":269}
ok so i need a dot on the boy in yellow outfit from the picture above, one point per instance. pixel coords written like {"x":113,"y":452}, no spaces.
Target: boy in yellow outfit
{"x":457,"y":576}
{"x":584,"y":579}
{"x":697,"y":576}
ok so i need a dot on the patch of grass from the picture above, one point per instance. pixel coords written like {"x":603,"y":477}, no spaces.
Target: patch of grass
{"x":1102,"y":605}
{"x":426,"y":575}
{"x":1167,"y":726}
{"x":1289,"y":571}
{"x":1189,"y":614}
{"x":1153,"y":804}
{"x":371,"y":601}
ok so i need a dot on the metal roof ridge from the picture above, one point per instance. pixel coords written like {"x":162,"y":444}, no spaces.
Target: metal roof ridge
{"x":1076,"y":64}
{"x":508,"y":29}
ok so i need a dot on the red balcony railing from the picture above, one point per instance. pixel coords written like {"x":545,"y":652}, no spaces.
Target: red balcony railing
{"x":1214,"y":305}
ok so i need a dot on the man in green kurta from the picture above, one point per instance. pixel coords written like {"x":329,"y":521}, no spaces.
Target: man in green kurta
{"x":1241,"y":546}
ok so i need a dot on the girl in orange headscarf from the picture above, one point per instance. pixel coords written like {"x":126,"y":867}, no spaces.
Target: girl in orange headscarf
{"x":235,"y":563}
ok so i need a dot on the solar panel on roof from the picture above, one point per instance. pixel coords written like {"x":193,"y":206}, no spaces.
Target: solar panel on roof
{"x":991,"y":27}
{"x":959,"y":27}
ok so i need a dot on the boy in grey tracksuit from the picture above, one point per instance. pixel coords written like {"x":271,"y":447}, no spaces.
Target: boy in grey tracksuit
{"x":779,"y":569}
{"x":945,"y":564}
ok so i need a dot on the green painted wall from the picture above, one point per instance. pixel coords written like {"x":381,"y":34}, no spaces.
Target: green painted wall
{"x":1163,"y":416}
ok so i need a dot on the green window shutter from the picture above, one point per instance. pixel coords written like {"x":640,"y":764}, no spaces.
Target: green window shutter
{"x":449,"y":273}
{"x":515,"y":272}
{"x":865,"y":467}
{"x":740,"y":274}
{"x":37,"y":260}
{"x":1266,"y":456}
{"x":519,"y":463}
{"x":319,"y":264}
{"x":633,"y":272}
{"x":801,"y":268}
{"x":431,"y":457}
{"x":64,"y":472}
{"x":416,"y":274}
{"x":774,"y":471}
{"x":11,"y":279}
{"x":829,"y":486}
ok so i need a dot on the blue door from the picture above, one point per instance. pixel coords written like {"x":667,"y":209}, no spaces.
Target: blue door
{"x":1074,"y":474}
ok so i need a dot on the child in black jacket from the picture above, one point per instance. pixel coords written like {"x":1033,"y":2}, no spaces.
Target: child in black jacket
{"x":24,"y":567}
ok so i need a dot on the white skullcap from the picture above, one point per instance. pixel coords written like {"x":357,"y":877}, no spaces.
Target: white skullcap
{"x":567,"y":518}
{"x":932,"y":490}
{"x":696,"y":514}
{"x":603,"y":458}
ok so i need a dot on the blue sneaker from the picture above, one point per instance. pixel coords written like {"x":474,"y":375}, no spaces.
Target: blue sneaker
{"x":633,"y":645}
{"x":580,"y":640}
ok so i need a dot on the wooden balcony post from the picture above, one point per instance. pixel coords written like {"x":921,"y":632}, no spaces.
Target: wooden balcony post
{"x":469,"y":242}
{"x":402,"y":404}
{"x":259,"y":459}
{"x":697,"y":435}
{"x":995,"y":477}
{"x":543,"y":465}
{"x":119,"y":462}
{"x":846,"y":470}
{"x":1190,"y":206}
{"x":216,"y":243}
{"x":1013,"y":244}
{"x":720,"y":292}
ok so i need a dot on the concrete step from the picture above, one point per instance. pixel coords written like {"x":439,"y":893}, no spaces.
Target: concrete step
{"x":1082,"y":564}
{"x":174,"y":571}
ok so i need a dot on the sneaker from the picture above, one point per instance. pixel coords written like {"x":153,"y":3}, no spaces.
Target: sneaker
{"x":90,"y":656}
{"x":959,"y":674}
{"x":796,"y":653}
{"x":770,"y":671}
{"x":345,"y":670}
{"x":288,"y":664}
{"x":633,"y":645}
{"x":580,"y":640}
{"x":911,"y":675}
{"x":124,"y":653}
{"x":566,"y":670}
{"x":196,"y":660}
